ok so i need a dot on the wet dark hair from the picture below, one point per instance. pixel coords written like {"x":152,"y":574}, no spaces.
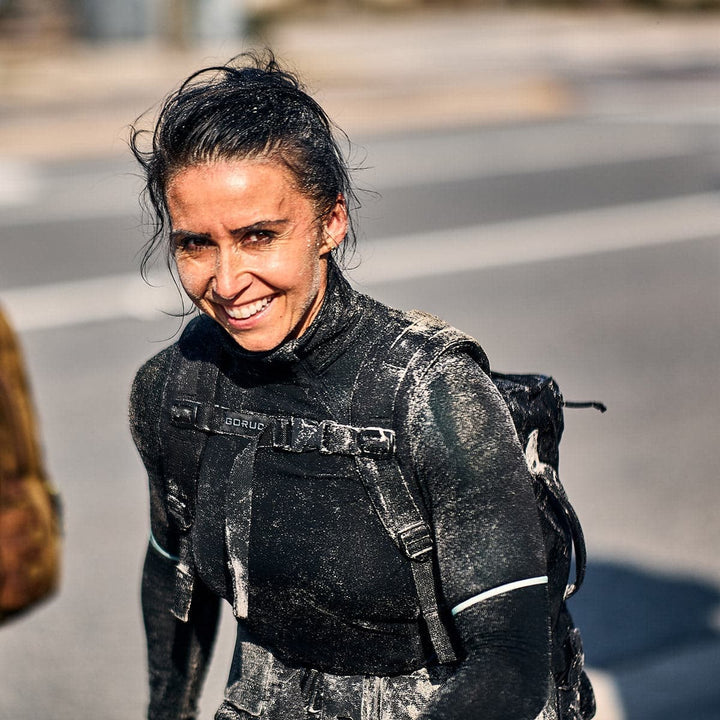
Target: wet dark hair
{"x":248,"y":108}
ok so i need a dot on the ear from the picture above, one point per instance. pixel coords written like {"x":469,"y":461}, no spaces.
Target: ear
{"x":335,"y":226}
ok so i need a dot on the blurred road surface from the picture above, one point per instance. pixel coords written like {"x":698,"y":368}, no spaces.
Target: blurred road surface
{"x":569,"y":221}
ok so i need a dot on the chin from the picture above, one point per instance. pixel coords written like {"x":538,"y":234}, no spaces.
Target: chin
{"x":256,"y":344}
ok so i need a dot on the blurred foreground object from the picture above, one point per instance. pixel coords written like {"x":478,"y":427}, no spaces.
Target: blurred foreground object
{"x":30,"y":542}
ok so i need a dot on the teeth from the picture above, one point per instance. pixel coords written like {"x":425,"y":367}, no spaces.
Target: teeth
{"x":246,"y":311}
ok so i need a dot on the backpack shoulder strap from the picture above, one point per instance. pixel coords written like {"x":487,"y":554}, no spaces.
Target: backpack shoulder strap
{"x":398,"y":358}
{"x":191,"y":380}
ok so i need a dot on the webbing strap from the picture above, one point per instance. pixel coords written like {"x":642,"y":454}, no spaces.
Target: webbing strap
{"x":394,"y":503}
{"x":548,"y":477}
{"x":554,"y":486}
{"x":184,"y":580}
{"x":403,"y":521}
{"x":424,"y":578}
{"x":292,"y":434}
{"x":181,"y":452}
{"x":238,"y":512}
{"x":377,"y":386}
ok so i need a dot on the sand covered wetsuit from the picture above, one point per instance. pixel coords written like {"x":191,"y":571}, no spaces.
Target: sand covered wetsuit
{"x":328,"y":593}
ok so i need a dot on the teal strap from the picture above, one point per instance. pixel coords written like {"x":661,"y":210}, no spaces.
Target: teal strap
{"x":160,"y":550}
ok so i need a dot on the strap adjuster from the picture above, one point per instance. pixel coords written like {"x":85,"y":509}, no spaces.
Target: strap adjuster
{"x":416,"y":541}
{"x":296,"y":434}
{"x":348,"y":440}
{"x":184,"y":413}
{"x":376,"y":441}
{"x":330,"y":438}
{"x":178,"y":509}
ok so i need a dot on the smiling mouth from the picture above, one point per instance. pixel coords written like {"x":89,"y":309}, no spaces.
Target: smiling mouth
{"x":247,"y":311}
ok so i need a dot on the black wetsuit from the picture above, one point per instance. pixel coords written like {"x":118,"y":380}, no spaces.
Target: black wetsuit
{"x":328,"y":589}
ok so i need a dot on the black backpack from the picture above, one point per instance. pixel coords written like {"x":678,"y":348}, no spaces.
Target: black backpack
{"x":536,"y":406}
{"x":397,"y":361}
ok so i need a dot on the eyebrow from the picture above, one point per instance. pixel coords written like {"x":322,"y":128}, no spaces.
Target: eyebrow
{"x":237,"y":232}
{"x":186,"y":234}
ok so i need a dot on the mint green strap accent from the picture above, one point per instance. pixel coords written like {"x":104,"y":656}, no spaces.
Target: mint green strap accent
{"x":500,"y":590}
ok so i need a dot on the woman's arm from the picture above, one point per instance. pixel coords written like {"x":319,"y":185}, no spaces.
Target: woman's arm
{"x":178,"y":652}
{"x":488,"y":536}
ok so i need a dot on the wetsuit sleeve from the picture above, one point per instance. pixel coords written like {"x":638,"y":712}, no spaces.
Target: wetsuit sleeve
{"x":178,"y":652}
{"x":482,"y":507}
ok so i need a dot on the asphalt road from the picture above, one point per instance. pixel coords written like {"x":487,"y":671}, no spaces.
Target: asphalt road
{"x":588,"y":249}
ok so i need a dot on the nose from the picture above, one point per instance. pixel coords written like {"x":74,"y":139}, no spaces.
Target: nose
{"x":231,"y":275}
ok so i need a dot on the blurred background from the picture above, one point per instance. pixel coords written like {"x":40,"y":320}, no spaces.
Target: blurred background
{"x":543,"y":176}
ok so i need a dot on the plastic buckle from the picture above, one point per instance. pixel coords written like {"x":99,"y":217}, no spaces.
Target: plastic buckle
{"x":376,"y":441}
{"x":184,"y":413}
{"x":296,"y":435}
{"x":416,"y":541}
{"x":337,"y":439}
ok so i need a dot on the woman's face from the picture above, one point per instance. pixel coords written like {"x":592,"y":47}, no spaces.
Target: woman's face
{"x":250,"y":250}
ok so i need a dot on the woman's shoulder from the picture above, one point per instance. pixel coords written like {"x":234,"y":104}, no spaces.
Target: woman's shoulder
{"x":195,"y":342}
{"x":198,"y":341}
{"x":152,"y":373}
{"x":146,"y":398}
{"x":417,"y":339}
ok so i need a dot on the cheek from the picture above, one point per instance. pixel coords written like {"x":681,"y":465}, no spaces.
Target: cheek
{"x":190,"y":276}
{"x":309,"y":276}
{"x":300,"y":272}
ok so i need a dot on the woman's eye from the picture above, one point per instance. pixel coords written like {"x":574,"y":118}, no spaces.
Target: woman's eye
{"x":191,"y":244}
{"x":258,"y":237}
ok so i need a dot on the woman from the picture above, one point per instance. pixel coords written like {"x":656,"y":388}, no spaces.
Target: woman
{"x":269,"y":447}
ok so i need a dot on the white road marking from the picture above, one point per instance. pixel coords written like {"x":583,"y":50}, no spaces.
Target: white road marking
{"x":20,"y":183}
{"x":113,"y":297}
{"x":29,"y":196}
{"x":478,"y":247}
{"x":539,"y":239}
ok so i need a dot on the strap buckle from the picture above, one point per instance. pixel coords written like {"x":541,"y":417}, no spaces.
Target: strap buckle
{"x":347,"y":440}
{"x":376,"y":441}
{"x":184,"y":413}
{"x":416,"y":542}
{"x":296,"y":434}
